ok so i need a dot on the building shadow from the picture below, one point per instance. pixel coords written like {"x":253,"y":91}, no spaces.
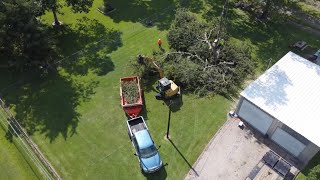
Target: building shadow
{"x":183,"y":157}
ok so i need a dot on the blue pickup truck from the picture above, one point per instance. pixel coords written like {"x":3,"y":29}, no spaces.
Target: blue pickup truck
{"x":144,"y":146}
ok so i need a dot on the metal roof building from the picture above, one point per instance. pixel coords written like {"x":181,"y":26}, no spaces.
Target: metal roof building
{"x":283,"y":103}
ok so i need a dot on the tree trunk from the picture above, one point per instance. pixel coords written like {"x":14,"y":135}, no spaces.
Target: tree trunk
{"x":56,"y":21}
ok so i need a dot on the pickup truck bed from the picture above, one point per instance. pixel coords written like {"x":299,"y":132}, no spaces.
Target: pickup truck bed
{"x":145,"y":150}
{"x":136,"y":125}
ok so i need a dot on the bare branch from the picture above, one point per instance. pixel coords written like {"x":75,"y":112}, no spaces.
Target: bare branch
{"x":186,"y":53}
{"x":228,"y":63}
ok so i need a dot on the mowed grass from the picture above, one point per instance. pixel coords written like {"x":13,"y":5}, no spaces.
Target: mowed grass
{"x":12,"y":163}
{"x":76,"y":119}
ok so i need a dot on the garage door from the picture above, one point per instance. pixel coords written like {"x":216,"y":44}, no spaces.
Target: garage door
{"x":288,"y":142}
{"x":255,"y":117}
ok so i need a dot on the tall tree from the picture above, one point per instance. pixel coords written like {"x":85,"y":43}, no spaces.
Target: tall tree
{"x":55,"y":6}
{"x":24,"y":40}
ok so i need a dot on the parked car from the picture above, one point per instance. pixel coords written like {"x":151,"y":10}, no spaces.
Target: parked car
{"x":145,"y":149}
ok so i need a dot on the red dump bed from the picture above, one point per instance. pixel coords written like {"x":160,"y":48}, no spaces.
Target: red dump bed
{"x":132,"y":109}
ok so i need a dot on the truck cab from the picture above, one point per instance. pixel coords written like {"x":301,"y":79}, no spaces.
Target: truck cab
{"x":144,"y":146}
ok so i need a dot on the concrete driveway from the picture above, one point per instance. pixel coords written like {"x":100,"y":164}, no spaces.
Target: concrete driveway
{"x":235,"y":153}
{"x":232,"y":154}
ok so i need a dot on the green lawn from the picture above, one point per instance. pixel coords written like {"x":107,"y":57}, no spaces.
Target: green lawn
{"x":75,"y":117}
{"x":13,"y":165}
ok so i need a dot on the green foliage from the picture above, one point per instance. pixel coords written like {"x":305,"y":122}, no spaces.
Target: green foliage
{"x":183,"y":33}
{"x":55,"y":6}
{"x":271,"y":8}
{"x":144,"y":68}
{"x":80,"y":6}
{"x":314,"y":173}
{"x":312,"y":170}
{"x":130,"y":91}
{"x":29,"y":43}
{"x":308,"y":9}
{"x":208,"y":62}
{"x":76,"y":5}
{"x":88,"y":138}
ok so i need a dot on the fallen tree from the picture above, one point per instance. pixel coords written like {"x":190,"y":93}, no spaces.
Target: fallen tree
{"x":202,"y":58}
{"x":205,"y":60}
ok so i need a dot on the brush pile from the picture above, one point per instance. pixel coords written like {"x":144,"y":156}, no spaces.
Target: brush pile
{"x":130,"y":91}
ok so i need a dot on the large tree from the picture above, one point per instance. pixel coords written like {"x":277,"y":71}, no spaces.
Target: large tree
{"x":204,"y":60}
{"x":24,"y":40}
{"x":55,"y":6}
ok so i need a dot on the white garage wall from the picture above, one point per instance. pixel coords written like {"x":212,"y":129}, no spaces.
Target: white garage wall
{"x":288,"y":142}
{"x":255,"y":117}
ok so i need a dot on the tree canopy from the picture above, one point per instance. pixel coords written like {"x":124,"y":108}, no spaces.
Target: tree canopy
{"x":23,"y":38}
{"x":55,"y":6}
{"x":203,"y":59}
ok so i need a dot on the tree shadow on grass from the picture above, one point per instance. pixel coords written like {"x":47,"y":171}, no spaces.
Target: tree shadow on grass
{"x":49,"y":107}
{"x":150,"y":12}
{"x":85,"y":47}
{"x":195,"y":6}
{"x":271,"y":39}
{"x":214,"y":10}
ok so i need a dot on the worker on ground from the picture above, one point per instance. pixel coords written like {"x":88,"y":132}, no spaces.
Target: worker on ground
{"x":159,"y":43}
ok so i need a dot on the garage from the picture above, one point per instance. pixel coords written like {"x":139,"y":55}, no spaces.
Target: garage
{"x":255,"y":117}
{"x":288,"y":142}
{"x":282,"y":104}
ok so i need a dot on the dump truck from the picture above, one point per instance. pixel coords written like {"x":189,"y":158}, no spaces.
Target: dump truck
{"x":132,"y":109}
{"x":145,"y":149}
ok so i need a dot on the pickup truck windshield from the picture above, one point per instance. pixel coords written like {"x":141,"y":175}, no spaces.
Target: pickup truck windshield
{"x":148,"y":152}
